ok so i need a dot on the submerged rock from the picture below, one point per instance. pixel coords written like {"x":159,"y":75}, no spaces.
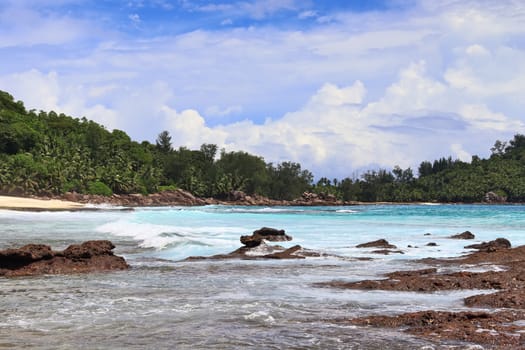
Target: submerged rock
{"x":380,"y":243}
{"x":496,"y":329}
{"x":262,"y":251}
{"x":463,"y":235}
{"x":387,"y":251}
{"x":39,"y":259}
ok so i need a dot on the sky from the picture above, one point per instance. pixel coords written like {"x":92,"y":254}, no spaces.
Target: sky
{"x":338,"y":86}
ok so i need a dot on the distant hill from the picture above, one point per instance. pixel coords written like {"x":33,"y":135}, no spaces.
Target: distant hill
{"x":45,"y":153}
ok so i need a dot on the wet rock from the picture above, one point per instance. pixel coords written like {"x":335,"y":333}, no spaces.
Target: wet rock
{"x":267,"y":234}
{"x":262,"y":251}
{"x":15,"y":258}
{"x":387,"y":251}
{"x":492,"y":197}
{"x":492,"y":246}
{"x":431,"y":244}
{"x":33,"y":259}
{"x":380,"y":243}
{"x":88,"y":249}
{"x":464,"y":235}
{"x":427,"y":234}
{"x":512,"y":299}
{"x":496,"y":330}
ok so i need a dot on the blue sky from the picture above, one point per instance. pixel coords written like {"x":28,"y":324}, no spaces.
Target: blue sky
{"x":339,"y":86}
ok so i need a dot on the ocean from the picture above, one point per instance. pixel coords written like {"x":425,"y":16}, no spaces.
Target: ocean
{"x":163,"y":302}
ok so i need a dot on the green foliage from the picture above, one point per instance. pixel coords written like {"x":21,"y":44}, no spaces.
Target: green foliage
{"x":167,"y":188}
{"x":99,"y":188}
{"x":49,"y":153}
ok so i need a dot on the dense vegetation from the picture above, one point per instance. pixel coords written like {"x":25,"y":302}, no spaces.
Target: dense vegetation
{"x":49,"y":153}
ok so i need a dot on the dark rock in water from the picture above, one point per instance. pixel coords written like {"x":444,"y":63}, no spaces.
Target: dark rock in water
{"x":255,"y":248}
{"x":15,"y":258}
{"x":387,"y":251}
{"x":464,"y":235}
{"x":88,"y":250}
{"x":492,"y":197}
{"x":431,"y":244}
{"x":286,"y":254}
{"x":427,"y":234}
{"x":492,"y":246}
{"x":38,"y":259}
{"x":266,"y":233}
{"x":262,"y":251}
{"x":380,"y":243}
{"x":495,"y":330}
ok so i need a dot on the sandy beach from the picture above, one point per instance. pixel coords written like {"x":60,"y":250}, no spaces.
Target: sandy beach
{"x":19,"y":203}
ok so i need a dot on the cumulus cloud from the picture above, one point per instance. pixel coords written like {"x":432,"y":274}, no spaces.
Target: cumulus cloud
{"x":335,"y":131}
{"x":41,"y":91}
{"x":347,"y":92}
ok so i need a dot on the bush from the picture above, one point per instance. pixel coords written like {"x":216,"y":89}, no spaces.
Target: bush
{"x":99,"y":188}
{"x":167,"y":188}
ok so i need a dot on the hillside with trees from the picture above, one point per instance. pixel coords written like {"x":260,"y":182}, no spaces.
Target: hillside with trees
{"x":45,"y":153}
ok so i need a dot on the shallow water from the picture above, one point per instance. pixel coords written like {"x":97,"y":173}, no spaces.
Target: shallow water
{"x":162,"y":302}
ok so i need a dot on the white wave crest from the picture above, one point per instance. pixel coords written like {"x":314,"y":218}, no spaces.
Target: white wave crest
{"x":164,"y":236}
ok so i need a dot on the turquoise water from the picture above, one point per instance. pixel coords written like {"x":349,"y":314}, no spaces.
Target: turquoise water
{"x":162,"y":302}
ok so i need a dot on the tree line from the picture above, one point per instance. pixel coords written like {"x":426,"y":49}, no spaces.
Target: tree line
{"x":45,"y":153}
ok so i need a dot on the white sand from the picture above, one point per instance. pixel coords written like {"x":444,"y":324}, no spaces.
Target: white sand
{"x":8,"y":202}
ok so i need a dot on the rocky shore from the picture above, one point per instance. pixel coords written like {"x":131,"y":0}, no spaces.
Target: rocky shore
{"x":181,"y":197}
{"x":255,"y":247}
{"x":501,"y":326}
{"x":40,"y":259}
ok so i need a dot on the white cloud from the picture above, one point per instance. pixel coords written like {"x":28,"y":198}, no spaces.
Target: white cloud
{"x":331,"y":95}
{"x":48,"y":93}
{"x":216,"y":111}
{"x":477,"y":50}
{"x":359,"y":89}
{"x":460,"y":153}
{"x":135,"y":18}
{"x":335,"y":131}
{"x":22,"y":25}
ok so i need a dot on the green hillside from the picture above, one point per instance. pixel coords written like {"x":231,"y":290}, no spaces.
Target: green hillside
{"x":45,"y":153}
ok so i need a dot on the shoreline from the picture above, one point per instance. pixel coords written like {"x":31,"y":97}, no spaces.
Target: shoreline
{"x":80,"y":202}
{"x":34,"y":204}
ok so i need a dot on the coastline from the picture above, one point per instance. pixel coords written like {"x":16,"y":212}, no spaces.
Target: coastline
{"x":33,"y":204}
{"x":179,"y":197}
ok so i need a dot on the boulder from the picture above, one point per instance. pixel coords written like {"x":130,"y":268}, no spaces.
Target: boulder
{"x":463,"y":235}
{"x":267,"y":234}
{"x":88,"y":250}
{"x":380,"y":243}
{"x":492,"y":246}
{"x":492,"y":197}
{"x":39,"y":259}
{"x":15,"y":258}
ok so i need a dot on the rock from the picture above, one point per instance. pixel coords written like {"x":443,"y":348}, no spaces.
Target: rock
{"x":492,"y":197}
{"x":492,"y":246}
{"x":464,"y":235}
{"x":380,"y":243}
{"x":427,"y":234}
{"x":286,"y":254}
{"x":88,"y":249}
{"x":266,"y":233}
{"x":387,"y":252}
{"x":15,"y":258}
{"x":38,"y":259}
{"x":495,"y":330}
{"x":431,"y":244}
{"x":236,"y":196}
